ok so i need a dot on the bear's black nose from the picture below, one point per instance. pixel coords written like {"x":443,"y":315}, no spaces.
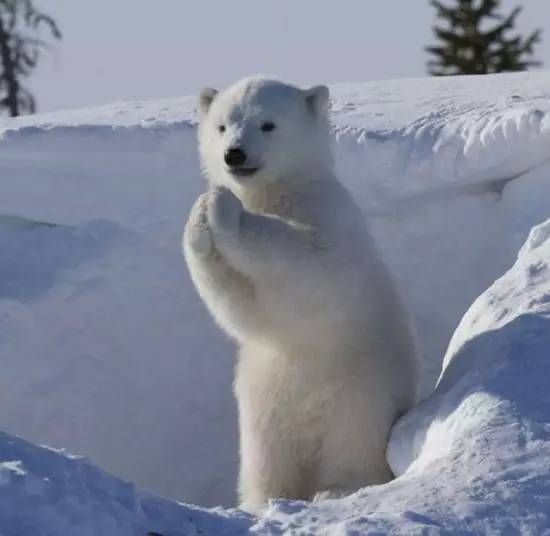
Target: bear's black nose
{"x":235,"y":157}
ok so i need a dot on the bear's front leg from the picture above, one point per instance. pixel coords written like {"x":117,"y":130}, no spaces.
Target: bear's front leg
{"x":259,"y":246}
{"x":228,"y":294}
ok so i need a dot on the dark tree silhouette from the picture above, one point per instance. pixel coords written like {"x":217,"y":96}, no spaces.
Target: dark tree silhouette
{"x":21,"y":47}
{"x":471,"y":45}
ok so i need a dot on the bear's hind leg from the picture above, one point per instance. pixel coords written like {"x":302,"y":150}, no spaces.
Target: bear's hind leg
{"x":354,"y":446}
{"x":271,"y":475}
{"x":258,"y":486}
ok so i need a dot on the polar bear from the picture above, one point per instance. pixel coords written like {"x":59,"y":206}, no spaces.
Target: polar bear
{"x":281,"y":255}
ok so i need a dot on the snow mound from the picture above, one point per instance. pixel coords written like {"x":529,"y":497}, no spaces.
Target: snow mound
{"x":49,"y":492}
{"x":95,"y":329}
{"x":106,"y":348}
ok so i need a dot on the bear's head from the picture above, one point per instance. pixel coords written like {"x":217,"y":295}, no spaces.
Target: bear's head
{"x":260,"y":131}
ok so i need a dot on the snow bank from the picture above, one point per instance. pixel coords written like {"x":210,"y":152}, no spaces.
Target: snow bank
{"x":106,"y":348}
{"x":494,"y":375}
{"x":49,"y":492}
{"x":452,"y":174}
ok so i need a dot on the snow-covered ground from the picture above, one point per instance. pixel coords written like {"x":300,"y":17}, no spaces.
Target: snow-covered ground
{"x":49,"y":492}
{"x":106,"y":349}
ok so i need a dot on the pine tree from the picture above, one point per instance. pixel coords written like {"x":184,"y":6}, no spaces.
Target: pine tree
{"x":20,"y":51}
{"x":470,"y":45}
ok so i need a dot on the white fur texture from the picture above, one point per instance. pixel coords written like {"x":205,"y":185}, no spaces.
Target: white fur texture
{"x":287,"y":267}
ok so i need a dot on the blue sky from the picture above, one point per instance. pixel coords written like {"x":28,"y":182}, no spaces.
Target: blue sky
{"x":125,"y":50}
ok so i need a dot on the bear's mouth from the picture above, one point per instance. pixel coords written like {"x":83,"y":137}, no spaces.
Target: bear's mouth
{"x":243,"y":171}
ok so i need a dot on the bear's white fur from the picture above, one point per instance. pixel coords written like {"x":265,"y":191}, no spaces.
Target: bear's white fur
{"x":284,"y":261}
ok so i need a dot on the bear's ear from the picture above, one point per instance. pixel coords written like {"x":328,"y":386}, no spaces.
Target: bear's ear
{"x":317,"y":99}
{"x":206,"y":96}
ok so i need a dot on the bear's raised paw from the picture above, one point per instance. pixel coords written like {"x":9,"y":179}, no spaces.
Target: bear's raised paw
{"x":224,"y":211}
{"x":197,"y":230}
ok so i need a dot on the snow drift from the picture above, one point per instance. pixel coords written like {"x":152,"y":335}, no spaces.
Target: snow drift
{"x":50,"y":492}
{"x":107,"y":350}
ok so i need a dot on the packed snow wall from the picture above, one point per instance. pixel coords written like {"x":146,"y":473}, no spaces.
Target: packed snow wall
{"x":106,"y":348}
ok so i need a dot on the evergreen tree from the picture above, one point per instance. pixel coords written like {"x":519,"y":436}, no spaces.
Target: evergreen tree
{"x":471,"y":45}
{"x":20,"y":50}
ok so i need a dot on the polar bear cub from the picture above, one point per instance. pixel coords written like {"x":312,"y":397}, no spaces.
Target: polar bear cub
{"x":281,"y":255}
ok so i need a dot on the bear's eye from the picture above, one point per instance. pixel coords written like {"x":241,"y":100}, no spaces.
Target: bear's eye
{"x":221,"y":129}
{"x":268,"y":126}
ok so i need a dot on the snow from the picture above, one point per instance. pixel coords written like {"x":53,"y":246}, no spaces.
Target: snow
{"x":48,"y":492}
{"x":107,"y":350}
